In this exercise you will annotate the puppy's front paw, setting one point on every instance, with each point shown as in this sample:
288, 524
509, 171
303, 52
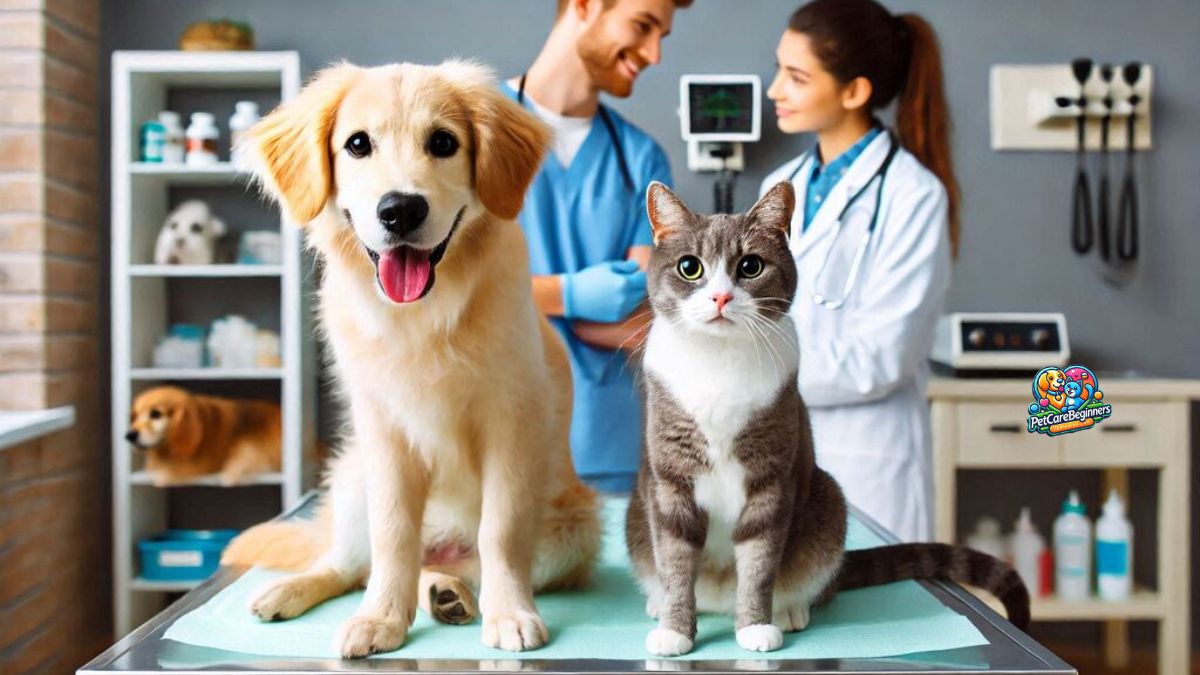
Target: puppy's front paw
281, 599
762, 637
666, 642
515, 631
362, 636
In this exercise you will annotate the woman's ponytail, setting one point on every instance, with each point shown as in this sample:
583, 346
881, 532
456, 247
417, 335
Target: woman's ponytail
922, 116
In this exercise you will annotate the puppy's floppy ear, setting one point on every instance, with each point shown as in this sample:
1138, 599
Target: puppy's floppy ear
666, 211
774, 209
217, 227
290, 146
510, 142
185, 430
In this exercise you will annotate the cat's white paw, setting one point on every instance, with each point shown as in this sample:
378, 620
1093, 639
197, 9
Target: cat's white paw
762, 637
666, 642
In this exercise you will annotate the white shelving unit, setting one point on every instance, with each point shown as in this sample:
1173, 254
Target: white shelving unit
148, 298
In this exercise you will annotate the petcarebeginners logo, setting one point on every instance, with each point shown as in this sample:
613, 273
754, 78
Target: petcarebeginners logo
1065, 400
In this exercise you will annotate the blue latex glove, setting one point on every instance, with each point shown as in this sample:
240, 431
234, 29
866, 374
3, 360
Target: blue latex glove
606, 292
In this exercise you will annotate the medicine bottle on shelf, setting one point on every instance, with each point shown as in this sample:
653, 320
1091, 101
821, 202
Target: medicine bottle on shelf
151, 141
1114, 550
173, 147
1073, 550
202, 138
244, 116
1026, 547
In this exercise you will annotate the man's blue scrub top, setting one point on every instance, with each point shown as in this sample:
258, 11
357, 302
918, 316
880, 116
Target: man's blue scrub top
575, 217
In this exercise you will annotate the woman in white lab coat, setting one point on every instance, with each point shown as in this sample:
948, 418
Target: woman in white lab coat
865, 335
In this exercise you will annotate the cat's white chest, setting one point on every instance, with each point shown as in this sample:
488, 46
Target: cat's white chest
721, 385
722, 494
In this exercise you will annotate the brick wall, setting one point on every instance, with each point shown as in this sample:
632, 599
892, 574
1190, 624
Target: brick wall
55, 562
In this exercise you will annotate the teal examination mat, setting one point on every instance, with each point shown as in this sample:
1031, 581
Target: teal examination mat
605, 621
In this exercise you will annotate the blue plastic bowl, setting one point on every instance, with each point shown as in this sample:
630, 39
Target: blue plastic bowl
183, 555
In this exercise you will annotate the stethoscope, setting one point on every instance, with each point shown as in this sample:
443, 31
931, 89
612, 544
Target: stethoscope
612, 135
859, 255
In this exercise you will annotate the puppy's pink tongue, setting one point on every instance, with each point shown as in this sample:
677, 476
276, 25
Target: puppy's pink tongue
403, 273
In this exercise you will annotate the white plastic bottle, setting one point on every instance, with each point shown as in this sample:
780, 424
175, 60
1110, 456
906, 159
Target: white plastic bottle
173, 145
986, 538
1026, 546
1114, 550
202, 138
1072, 550
244, 116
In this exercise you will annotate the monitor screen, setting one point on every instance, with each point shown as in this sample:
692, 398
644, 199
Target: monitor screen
721, 108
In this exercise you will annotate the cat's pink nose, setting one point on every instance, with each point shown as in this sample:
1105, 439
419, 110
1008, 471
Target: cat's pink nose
722, 299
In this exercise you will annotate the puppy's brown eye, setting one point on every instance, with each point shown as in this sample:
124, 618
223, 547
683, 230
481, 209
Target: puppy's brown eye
750, 267
442, 144
197, 228
155, 414
359, 144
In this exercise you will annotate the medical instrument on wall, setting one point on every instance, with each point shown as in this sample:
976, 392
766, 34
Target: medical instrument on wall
613, 136
999, 344
1104, 202
1127, 206
1081, 200
717, 114
860, 253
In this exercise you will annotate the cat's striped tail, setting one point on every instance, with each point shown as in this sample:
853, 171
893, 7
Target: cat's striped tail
944, 562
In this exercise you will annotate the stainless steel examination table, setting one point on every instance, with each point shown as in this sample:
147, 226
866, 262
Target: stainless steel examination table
145, 651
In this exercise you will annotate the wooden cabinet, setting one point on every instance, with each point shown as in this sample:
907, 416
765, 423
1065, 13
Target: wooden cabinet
981, 424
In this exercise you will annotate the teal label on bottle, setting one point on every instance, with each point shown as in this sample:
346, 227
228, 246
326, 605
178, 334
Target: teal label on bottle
1112, 558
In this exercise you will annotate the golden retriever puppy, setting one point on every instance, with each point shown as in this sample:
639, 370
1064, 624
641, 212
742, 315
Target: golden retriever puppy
457, 472
188, 435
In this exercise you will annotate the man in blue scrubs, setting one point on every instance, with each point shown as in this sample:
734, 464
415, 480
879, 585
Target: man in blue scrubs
585, 216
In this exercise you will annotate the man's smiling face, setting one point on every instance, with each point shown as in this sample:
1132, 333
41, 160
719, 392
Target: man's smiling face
620, 39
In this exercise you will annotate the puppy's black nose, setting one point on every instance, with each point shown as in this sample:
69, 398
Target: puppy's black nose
402, 213
131, 436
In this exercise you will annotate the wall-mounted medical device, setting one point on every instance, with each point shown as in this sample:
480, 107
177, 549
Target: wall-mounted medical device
1096, 110
717, 114
1036, 107
984, 344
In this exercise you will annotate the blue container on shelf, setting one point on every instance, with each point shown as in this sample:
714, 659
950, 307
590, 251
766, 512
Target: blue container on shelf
183, 555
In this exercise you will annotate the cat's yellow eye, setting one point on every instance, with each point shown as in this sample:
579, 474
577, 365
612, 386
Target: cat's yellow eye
750, 266
690, 267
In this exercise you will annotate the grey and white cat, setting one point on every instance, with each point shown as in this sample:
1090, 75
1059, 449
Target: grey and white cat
730, 513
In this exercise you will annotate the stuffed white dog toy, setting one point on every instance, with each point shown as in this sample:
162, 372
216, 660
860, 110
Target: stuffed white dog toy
189, 235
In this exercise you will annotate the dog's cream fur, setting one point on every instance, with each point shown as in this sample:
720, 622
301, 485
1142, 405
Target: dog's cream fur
460, 402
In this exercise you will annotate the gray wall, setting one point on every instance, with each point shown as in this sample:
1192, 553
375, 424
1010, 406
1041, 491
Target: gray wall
1015, 252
